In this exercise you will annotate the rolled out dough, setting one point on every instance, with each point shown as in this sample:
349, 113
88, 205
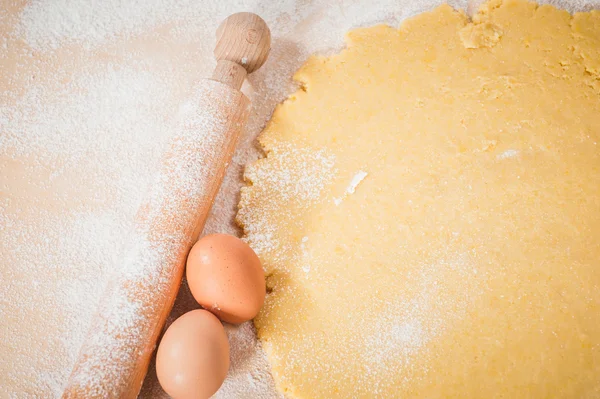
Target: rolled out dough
428, 212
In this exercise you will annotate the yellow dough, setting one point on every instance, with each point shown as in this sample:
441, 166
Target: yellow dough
428, 212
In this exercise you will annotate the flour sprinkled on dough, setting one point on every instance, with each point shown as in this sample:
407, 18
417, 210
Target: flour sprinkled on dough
358, 177
508, 154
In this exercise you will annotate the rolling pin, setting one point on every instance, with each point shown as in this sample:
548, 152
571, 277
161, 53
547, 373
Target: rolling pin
114, 357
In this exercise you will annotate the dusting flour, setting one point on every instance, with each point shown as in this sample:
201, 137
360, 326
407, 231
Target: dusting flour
90, 94
356, 180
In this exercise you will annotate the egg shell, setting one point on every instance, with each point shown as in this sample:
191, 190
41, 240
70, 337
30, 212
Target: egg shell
226, 277
193, 356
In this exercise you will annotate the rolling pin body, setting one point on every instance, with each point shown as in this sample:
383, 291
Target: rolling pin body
114, 359
141, 294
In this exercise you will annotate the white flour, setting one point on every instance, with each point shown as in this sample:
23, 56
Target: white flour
89, 90
356, 179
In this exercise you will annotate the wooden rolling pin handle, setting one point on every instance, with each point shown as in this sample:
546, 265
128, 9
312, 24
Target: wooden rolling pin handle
169, 226
243, 45
229, 73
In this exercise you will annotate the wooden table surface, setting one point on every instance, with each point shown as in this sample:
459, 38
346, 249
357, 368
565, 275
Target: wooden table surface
32, 182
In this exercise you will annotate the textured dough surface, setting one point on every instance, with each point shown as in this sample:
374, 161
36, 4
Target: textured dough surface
466, 263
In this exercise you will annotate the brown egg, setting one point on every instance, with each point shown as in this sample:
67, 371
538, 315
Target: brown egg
193, 356
226, 277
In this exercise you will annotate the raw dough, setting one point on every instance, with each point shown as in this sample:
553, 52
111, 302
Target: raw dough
465, 263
